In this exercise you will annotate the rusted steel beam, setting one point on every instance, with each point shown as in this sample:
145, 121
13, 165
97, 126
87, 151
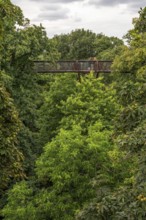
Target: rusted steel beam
81, 66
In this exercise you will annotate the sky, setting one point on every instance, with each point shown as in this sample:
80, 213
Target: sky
110, 17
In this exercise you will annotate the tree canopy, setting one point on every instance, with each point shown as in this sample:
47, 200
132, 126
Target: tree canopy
71, 149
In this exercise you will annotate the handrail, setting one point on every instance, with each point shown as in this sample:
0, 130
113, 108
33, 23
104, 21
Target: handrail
79, 66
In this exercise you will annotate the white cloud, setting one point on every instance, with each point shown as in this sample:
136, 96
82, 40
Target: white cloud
111, 17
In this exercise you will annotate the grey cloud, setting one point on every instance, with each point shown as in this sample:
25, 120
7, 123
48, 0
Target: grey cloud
52, 16
77, 19
136, 5
107, 2
52, 13
133, 5
51, 7
56, 1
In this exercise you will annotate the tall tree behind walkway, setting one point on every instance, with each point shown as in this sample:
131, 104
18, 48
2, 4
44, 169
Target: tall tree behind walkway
23, 44
10, 156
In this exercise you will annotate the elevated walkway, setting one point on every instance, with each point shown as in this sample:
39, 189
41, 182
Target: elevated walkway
81, 66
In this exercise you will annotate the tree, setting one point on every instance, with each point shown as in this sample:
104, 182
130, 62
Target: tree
107, 47
63, 45
11, 158
67, 169
22, 194
24, 44
90, 102
137, 36
84, 44
61, 87
69, 165
127, 201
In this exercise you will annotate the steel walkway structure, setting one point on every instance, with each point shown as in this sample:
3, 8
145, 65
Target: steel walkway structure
81, 66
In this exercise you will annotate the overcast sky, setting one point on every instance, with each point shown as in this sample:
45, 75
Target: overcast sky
110, 17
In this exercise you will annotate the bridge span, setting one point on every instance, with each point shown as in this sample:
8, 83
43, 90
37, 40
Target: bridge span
80, 66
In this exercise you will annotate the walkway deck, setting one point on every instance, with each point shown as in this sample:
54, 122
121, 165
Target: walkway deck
82, 66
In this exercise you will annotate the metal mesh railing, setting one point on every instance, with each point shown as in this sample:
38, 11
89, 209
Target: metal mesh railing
82, 66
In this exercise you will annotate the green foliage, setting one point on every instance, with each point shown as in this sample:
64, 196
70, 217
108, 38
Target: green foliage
23, 44
70, 102
19, 200
62, 45
119, 205
50, 52
93, 162
127, 201
140, 22
92, 101
84, 44
66, 172
70, 163
77, 157
137, 36
107, 47
9, 16
61, 87
79, 44
10, 157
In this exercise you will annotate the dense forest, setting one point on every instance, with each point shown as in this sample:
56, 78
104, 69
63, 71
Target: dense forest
70, 149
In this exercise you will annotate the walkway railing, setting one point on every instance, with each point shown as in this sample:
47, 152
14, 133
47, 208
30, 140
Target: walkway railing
82, 66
